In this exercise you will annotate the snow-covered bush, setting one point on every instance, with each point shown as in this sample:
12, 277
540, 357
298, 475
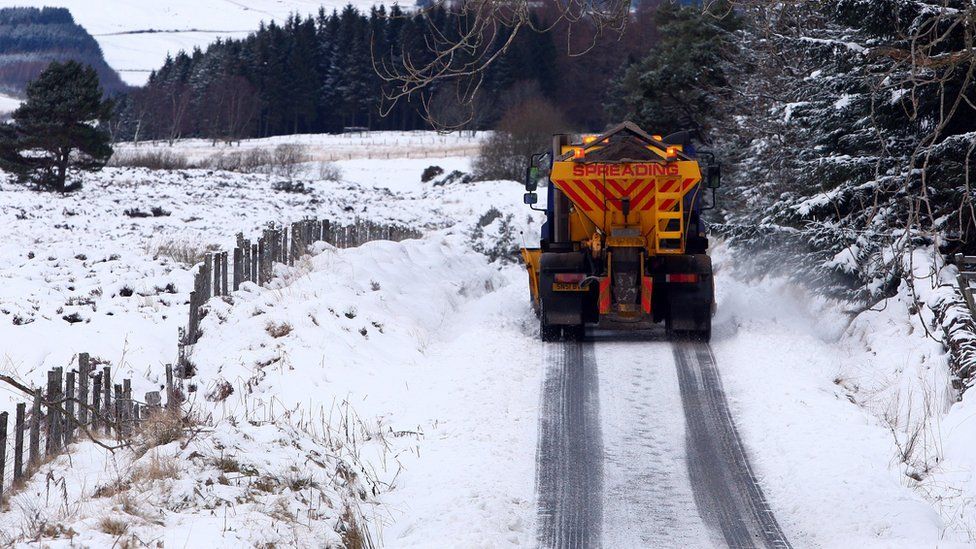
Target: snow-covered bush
496, 236
330, 171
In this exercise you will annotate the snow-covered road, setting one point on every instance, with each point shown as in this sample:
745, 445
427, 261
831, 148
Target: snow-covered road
637, 448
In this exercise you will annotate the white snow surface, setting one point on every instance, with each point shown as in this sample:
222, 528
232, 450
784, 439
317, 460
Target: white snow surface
415, 365
8, 105
136, 36
386, 145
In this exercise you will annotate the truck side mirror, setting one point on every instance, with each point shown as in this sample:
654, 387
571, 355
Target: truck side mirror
530, 198
714, 176
531, 178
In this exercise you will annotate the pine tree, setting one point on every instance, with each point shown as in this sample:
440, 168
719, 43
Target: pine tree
60, 128
678, 85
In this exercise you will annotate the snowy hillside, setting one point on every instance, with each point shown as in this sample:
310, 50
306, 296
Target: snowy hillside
136, 40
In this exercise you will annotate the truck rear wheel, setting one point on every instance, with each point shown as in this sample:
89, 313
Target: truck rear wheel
574, 333
547, 332
701, 332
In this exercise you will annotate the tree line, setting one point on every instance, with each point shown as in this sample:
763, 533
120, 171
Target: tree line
323, 73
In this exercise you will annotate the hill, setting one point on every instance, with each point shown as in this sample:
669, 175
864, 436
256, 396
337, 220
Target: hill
30, 38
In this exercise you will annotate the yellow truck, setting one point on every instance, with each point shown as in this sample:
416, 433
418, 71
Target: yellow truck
623, 245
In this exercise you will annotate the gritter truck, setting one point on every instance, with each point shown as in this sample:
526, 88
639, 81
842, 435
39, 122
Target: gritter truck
623, 245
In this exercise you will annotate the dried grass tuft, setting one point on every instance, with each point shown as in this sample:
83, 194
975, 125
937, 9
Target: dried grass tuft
158, 468
113, 526
276, 330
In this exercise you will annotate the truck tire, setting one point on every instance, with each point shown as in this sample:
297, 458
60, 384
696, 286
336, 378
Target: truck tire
547, 332
690, 307
574, 333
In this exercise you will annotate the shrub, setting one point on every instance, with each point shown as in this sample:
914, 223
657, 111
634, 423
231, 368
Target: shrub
430, 172
185, 253
524, 130
158, 159
162, 426
496, 236
289, 186
246, 161
286, 159
329, 171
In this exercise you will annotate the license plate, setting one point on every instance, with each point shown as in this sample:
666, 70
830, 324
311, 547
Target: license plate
567, 287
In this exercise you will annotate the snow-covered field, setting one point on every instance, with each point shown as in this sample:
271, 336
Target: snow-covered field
326, 147
136, 40
398, 383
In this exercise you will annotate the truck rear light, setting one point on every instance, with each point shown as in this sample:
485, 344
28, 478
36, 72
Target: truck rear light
579, 153
682, 278
672, 153
569, 278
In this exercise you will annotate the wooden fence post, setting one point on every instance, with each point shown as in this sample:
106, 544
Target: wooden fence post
54, 407
295, 239
254, 264
3, 448
118, 410
127, 407
96, 401
248, 252
69, 406
238, 273
171, 402
107, 397
154, 402
262, 251
50, 418
216, 274
193, 328
284, 259
267, 256
223, 274
19, 441
274, 240
35, 428
84, 366
207, 277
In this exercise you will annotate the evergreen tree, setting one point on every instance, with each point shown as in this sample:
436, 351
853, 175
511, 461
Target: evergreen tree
60, 128
679, 85
319, 75
851, 142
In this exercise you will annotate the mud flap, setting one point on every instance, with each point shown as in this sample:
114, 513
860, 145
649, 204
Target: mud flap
561, 308
690, 306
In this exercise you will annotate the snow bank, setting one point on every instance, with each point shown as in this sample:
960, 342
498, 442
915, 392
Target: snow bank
368, 378
844, 412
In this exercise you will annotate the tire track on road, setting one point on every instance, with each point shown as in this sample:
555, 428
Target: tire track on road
728, 495
569, 475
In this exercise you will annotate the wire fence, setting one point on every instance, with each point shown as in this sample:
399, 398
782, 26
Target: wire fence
82, 402
85, 402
